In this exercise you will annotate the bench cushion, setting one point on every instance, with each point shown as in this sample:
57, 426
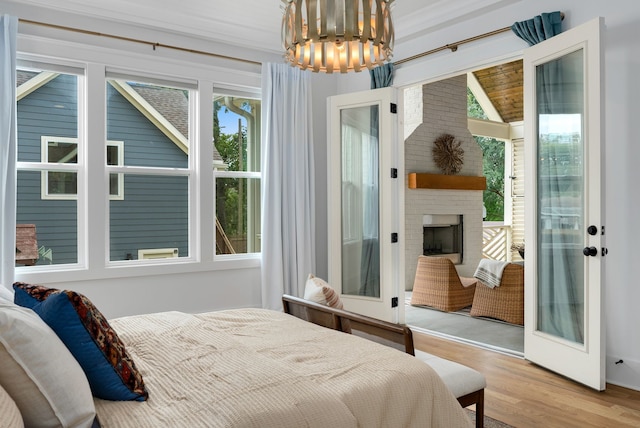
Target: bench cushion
460, 379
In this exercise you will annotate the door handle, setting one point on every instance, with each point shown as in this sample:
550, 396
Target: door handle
590, 251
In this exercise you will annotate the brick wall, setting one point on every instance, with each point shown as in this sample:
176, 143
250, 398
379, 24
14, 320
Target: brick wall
444, 110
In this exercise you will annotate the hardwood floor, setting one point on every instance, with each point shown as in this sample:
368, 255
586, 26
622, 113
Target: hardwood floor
525, 395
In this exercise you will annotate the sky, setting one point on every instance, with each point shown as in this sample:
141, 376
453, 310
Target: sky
560, 124
229, 122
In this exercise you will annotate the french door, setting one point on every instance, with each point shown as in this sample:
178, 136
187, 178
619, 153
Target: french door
564, 328
366, 204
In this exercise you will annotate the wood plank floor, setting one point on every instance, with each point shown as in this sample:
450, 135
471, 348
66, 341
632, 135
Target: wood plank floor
525, 395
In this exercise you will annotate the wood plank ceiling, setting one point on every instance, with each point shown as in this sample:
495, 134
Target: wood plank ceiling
503, 84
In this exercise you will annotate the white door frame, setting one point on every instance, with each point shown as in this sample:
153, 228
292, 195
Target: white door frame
584, 363
391, 205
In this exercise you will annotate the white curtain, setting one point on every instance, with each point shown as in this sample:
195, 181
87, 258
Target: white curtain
8, 34
288, 219
360, 209
560, 104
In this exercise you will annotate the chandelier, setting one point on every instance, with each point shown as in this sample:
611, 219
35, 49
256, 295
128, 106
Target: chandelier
337, 35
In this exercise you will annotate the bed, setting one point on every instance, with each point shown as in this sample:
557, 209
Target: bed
264, 368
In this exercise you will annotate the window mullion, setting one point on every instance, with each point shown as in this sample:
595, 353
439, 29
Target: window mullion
203, 184
95, 207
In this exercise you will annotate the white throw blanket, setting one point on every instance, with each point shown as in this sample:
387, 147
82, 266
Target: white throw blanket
489, 272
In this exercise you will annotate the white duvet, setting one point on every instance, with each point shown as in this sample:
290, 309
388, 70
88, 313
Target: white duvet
261, 368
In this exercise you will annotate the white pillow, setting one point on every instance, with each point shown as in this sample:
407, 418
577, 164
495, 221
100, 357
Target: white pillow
40, 374
6, 295
11, 417
317, 290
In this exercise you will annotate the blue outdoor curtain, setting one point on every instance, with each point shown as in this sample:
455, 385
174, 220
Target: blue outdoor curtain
382, 76
8, 35
539, 28
288, 189
560, 280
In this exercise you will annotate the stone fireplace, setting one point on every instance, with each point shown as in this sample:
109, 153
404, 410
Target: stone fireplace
430, 111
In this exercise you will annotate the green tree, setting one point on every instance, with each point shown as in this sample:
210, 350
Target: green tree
229, 209
492, 165
493, 170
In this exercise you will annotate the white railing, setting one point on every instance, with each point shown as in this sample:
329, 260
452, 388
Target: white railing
496, 241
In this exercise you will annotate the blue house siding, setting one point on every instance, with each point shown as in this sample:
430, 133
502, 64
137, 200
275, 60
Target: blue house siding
156, 217
154, 212
50, 110
145, 144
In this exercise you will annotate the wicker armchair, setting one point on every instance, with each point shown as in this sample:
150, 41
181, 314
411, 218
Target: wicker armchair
505, 302
438, 285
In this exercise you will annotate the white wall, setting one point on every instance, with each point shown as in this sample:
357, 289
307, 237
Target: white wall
621, 147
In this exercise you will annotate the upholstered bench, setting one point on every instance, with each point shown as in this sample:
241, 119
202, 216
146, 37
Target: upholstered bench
466, 383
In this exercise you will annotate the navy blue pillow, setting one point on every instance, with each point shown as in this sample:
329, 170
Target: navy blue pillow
84, 330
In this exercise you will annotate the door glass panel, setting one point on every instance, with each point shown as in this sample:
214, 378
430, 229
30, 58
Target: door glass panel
360, 205
560, 186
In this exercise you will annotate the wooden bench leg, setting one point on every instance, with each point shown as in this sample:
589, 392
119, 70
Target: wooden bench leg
476, 398
480, 410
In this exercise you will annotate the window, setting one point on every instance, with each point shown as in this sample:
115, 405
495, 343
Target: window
237, 175
127, 195
64, 185
48, 103
153, 117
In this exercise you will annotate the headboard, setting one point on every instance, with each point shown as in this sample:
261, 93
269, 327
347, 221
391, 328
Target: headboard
396, 335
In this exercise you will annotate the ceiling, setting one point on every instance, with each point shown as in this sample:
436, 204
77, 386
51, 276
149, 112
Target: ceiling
257, 23
504, 86
228, 22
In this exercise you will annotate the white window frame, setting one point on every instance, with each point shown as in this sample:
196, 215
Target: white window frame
94, 62
190, 145
219, 173
44, 175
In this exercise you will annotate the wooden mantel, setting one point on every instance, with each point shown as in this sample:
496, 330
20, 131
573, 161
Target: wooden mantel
419, 180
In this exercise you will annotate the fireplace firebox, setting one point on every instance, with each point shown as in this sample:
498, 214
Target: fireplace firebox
443, 236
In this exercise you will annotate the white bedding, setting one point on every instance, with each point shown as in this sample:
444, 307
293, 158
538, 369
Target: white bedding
262, 368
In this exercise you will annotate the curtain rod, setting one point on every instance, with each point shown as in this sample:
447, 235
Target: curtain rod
454, 46
145, 42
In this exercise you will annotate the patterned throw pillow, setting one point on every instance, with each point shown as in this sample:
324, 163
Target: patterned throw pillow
28, 295
110, 370
317, 290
